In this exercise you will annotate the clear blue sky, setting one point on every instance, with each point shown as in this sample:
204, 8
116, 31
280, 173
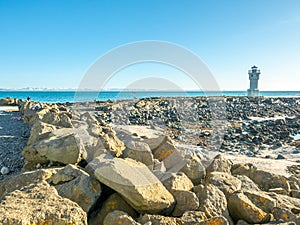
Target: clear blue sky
52, 43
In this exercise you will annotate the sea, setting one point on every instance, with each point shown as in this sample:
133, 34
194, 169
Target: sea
83, 96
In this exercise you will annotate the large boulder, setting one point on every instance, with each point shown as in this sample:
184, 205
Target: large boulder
40, 131
139, 151
114, 202
241, 208
185, 201
286, 202
62, 146
194, 169
162, 147
39, 204
227, 183
29, 111
261, 200
247, 183
134, 182
285, 215
105, 135
77, 185
53, 116
176, 181
33, 112
212, 201
219, 164
24, 179
263, 179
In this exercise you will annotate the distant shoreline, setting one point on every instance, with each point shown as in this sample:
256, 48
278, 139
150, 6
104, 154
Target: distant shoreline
84, 96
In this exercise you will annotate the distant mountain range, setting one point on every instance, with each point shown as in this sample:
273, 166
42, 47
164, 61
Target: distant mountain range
74, 89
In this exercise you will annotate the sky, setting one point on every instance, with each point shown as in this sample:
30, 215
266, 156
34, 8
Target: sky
53, 43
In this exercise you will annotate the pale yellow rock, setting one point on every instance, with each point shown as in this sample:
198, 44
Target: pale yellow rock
136, 183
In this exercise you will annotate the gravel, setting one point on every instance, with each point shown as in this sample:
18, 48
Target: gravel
13, 138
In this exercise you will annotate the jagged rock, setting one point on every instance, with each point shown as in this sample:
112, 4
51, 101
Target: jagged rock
119, 217
212, 201
219, 164
162, 147
285, 215
29, 114
176, 181
55, 117
241, 208
24, 179
227, 183
140, 152
39, 204
33, 112
40, 131
263, 179
77, 185
114, 202
261, 200
9, 102
105, 134
185, 201
158, 167
135, 183
194, 169
247, 183
286, 202
62, 146
175, 161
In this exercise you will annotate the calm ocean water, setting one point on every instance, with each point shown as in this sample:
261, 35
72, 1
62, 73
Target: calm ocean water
72, 96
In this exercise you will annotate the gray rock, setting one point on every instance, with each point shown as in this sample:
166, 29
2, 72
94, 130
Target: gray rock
227, 183
77, 185
185, 201
212, 201
176, 181
4, 170
194, 169
265, 180
140, 152
219, 164
62, 146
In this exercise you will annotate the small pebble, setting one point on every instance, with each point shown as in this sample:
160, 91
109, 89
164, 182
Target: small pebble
4, 170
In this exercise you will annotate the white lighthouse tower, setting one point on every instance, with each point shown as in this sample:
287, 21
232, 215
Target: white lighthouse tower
253, 77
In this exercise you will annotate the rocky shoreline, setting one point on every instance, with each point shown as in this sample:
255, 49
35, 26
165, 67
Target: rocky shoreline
155, 161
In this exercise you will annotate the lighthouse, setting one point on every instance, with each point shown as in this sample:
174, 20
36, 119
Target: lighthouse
253, 77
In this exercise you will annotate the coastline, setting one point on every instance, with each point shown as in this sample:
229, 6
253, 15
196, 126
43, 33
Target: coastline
104, 95
213, 144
